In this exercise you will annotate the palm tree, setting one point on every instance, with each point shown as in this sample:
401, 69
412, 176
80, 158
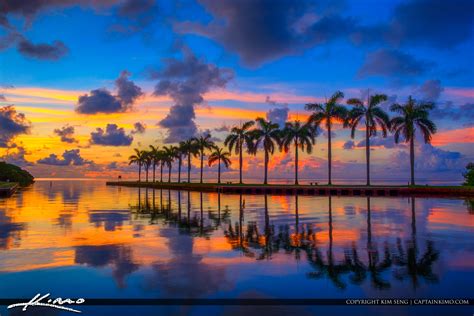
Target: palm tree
168, 157
161, 159
373, 116
147, 160
155, 157
190, 149
268, 134
219, 155
180, 152
328, 112
412, 115
302, 136
138, 159
237, 138
203, 143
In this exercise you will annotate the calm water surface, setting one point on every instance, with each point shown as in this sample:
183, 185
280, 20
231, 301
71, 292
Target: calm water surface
84, 239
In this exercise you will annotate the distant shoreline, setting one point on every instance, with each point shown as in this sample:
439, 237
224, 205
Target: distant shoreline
318, 190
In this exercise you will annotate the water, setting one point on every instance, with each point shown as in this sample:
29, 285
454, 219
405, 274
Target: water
84, 239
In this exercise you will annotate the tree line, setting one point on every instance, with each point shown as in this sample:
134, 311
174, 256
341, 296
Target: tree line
269, 137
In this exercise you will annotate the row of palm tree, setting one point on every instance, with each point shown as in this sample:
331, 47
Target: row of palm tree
253, 135
195, 147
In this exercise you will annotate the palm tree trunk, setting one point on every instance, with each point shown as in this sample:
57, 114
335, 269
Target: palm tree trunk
146, 173
154, 167
202, 163
266, 167
189, 166
412, 159
296, 162
329, 151
139, 172
219, 172
179, 169
240, 163
161, 173
367, 152
169, 174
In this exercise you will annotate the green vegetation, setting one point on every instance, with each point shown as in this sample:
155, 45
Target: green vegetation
328, 112
11, 173
261, 134
219, 155
372, 115
412, 115
6, 185
469, 174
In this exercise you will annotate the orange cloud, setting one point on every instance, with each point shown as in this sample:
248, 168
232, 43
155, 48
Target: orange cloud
463, 135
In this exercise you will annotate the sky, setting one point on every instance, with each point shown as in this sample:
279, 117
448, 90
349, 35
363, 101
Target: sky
82, 83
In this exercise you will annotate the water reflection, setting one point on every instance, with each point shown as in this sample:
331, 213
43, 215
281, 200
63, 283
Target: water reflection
117, 256
10, 232
405, 258
163, 243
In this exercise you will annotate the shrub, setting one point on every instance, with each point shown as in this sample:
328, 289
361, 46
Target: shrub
12, 173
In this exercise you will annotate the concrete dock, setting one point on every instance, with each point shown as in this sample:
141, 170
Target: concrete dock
317, 190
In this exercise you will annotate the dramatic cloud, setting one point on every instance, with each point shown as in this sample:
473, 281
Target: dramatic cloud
139, 128
44, 51
348, 145
433, 23
264, 30
430, 90
185, 81
102, 101
135, 15
69, 158
453, 112
11, 125
17, 157
66, 133
29, 9
99, 101
127, 91
386, 142
437, 23
429, 158
278, 114
112, 136
392, 63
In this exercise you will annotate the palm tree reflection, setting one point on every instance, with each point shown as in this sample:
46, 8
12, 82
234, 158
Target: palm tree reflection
411, 265
341, 264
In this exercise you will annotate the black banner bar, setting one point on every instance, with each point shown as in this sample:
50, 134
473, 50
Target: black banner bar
251, 301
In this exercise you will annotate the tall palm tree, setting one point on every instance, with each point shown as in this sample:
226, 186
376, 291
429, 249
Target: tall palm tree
137, 159
238, 137
203, 143
269, 135
155, 157
168, 157
180, 152
372, 115
302, 136
219, 155
412, 115
162, 156
328, 112
147, 160
190, 149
